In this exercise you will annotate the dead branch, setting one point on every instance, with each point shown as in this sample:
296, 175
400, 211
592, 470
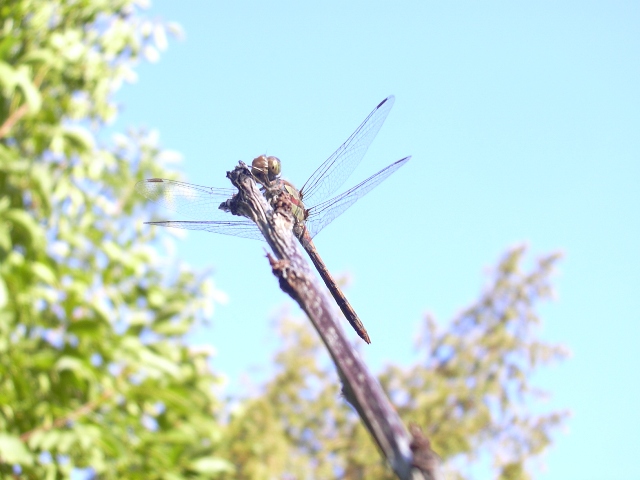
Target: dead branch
410, 456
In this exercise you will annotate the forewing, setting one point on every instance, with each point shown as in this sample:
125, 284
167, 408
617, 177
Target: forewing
337, 168
323, 214
197, 202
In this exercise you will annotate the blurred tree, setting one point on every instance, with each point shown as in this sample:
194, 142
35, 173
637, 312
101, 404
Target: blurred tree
95, 372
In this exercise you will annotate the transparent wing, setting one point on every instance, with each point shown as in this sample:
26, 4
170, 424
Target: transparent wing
324, 213
237, 228
336, 169
197, 202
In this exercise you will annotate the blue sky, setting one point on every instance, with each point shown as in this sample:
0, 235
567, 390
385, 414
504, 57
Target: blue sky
523, 122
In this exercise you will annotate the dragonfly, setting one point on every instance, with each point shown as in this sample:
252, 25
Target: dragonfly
312, 208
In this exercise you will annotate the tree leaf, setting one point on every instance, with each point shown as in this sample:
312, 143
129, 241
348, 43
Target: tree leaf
13, 451
212, 465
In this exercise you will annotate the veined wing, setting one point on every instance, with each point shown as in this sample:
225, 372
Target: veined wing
237, 228
336, 169
197, 202
324, 213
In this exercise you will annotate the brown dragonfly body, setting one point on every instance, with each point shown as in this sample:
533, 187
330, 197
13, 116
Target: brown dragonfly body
267, 172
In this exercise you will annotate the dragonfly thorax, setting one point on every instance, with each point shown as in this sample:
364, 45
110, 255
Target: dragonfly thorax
266, 169
298, 209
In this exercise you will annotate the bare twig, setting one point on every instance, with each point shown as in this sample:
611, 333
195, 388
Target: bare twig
410, 458
77, 413
12, 119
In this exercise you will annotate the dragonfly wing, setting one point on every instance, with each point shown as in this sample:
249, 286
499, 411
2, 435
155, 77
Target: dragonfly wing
324, 213
199, 203
193, 201
238, 228
336, 169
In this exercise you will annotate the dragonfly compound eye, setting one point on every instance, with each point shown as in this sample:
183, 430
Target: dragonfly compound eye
274, 167
260, 168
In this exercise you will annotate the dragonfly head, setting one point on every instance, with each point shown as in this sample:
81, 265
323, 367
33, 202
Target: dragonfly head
266, 169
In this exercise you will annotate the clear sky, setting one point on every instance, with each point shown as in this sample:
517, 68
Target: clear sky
523, 120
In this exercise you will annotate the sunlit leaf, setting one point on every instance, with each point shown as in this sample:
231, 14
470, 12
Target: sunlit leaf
74, 365
12, 450
44, 272
212, 465
31, 93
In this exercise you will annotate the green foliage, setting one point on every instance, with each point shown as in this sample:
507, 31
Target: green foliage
94, 370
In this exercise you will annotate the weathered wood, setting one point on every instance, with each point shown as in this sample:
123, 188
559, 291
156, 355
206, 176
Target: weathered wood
409, 456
